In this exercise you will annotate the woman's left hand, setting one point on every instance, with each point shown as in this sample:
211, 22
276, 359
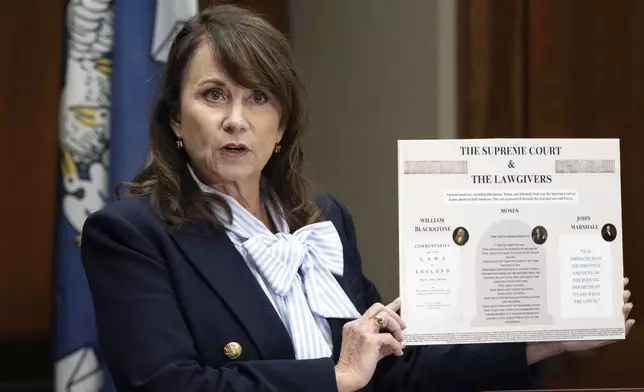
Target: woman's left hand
539, 351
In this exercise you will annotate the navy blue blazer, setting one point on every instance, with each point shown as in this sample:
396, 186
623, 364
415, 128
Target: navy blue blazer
168, 302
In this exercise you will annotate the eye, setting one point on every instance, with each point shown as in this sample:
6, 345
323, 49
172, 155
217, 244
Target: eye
214, 95
259, 97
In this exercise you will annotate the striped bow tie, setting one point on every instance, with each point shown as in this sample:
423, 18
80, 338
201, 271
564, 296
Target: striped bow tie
315, 251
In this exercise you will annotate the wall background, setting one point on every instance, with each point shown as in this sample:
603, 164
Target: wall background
377, 71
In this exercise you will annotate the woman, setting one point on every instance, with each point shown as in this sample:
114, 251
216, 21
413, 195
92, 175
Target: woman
220, 271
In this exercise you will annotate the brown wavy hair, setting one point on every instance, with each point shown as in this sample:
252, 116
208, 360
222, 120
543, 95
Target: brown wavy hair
252, 53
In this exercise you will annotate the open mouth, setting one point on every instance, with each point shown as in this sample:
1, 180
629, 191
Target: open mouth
234, 149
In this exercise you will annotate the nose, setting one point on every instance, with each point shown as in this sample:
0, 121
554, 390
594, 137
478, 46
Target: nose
235, 121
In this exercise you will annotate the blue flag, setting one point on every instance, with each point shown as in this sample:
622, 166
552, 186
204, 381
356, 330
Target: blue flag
115, 50
143, 33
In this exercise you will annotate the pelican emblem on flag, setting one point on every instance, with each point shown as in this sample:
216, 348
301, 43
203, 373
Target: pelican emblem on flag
85, 109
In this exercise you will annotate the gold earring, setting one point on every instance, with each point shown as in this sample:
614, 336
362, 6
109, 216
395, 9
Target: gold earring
277, 148
179, 143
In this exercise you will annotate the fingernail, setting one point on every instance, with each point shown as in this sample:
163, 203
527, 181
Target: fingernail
626, 280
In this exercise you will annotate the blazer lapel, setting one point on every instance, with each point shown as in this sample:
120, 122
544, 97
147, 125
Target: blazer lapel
348, 275
226, 272
336, 324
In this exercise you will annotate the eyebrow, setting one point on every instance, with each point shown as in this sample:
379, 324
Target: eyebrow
212, 80
221, 83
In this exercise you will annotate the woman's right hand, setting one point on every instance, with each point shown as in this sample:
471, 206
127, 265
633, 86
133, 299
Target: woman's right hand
365, 341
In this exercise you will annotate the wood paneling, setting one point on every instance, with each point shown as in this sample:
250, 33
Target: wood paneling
491, 71
582, 63
30, 58
587, 81
30, 46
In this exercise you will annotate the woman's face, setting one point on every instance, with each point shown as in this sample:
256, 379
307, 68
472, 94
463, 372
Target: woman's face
228, 131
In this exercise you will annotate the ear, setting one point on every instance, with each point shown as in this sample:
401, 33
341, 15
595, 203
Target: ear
175, 123
280, 134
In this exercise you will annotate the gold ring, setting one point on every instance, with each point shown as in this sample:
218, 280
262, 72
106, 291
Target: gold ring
379, 322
